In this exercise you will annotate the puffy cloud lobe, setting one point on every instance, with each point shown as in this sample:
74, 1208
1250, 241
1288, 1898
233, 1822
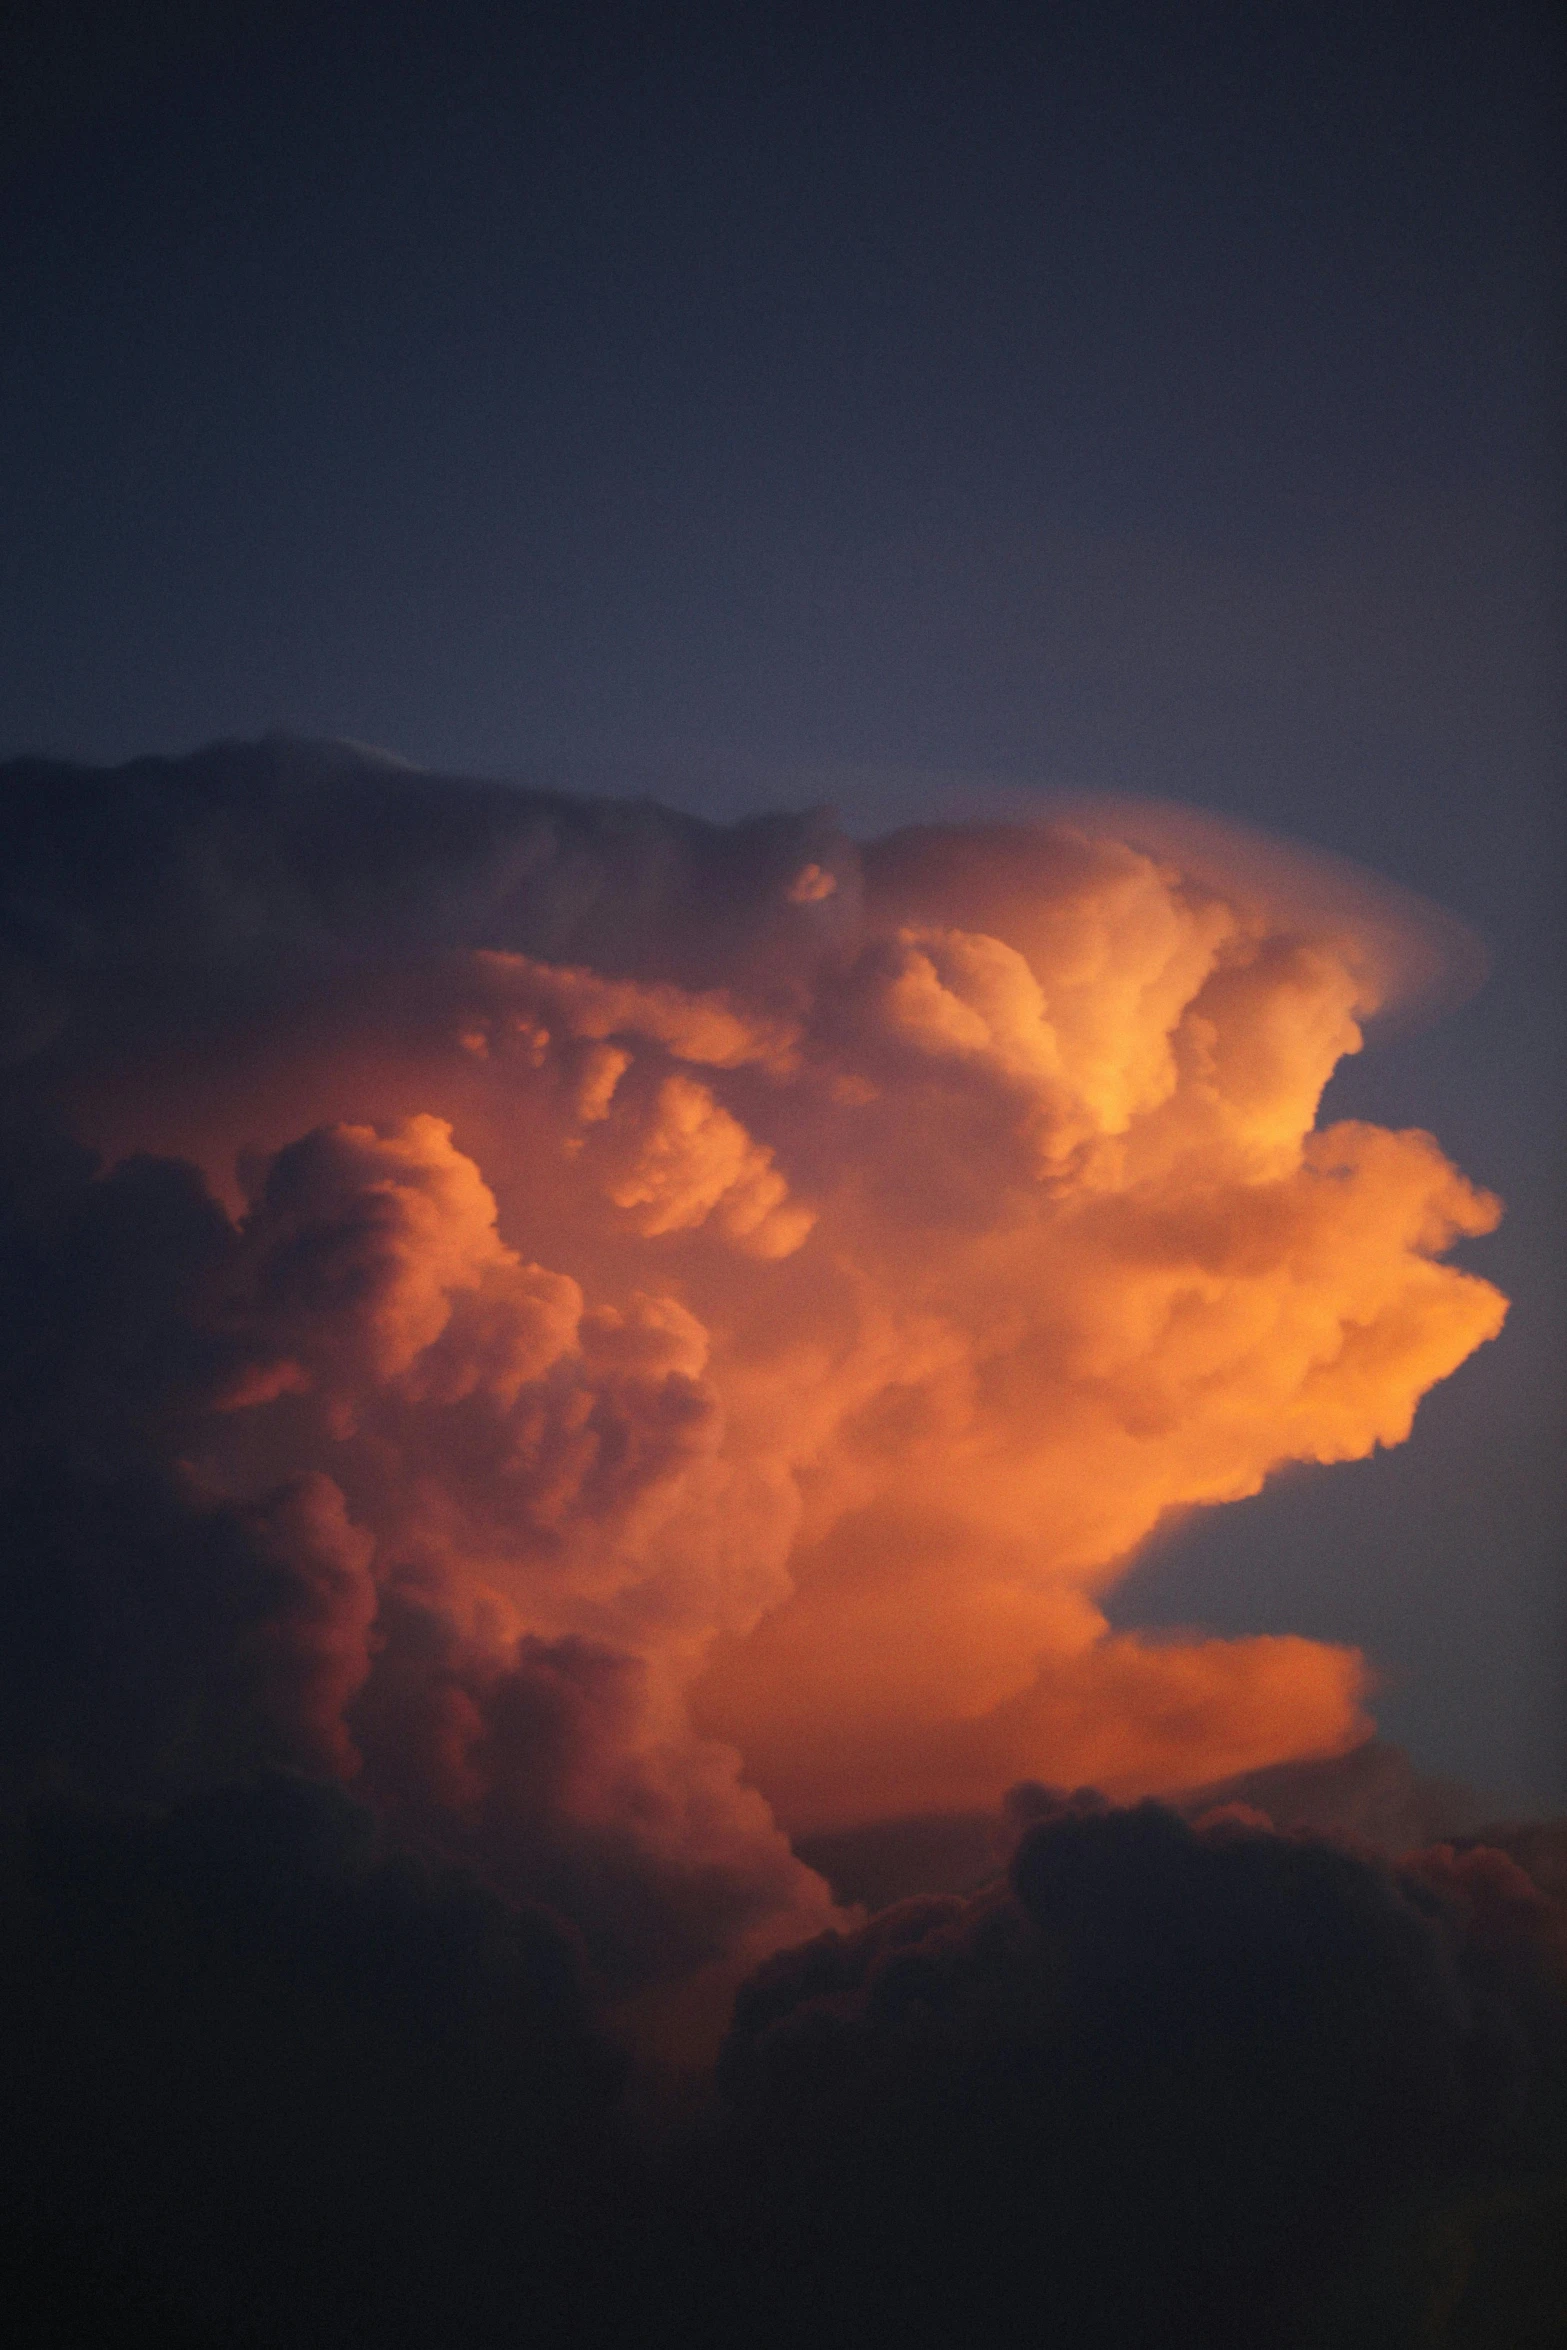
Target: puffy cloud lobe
726, 1298
671, 1154
707, 1027
694, 1161
511, 1455
360, 1241
546, 1769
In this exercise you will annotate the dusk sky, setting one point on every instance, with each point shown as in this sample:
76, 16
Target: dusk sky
719, 725
765, 409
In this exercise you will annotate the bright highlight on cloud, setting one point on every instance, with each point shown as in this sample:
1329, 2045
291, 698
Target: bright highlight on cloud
588, 1325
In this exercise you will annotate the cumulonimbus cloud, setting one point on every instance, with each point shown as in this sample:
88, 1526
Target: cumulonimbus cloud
590, 1325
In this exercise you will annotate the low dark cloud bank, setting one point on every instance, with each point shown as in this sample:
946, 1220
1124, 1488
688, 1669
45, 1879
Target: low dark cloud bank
569, 1380
270, 2080
268, 2083
1212, 2084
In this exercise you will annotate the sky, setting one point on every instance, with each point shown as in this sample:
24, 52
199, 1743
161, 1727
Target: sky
782, 1002
908, 414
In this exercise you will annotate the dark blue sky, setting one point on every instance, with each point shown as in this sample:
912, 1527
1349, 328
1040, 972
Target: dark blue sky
1156, 398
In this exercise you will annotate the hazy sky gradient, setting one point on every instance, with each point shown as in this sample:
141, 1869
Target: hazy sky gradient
1155, 400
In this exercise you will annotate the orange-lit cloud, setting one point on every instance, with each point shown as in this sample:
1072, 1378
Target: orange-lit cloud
737, 1348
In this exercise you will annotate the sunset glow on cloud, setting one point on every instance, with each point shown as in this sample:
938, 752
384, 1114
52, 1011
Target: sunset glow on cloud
672, 1322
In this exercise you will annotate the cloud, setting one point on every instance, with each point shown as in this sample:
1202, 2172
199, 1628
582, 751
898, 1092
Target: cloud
351, 1487
1371, 1800
607, 1332
268, 2082
1167, 2084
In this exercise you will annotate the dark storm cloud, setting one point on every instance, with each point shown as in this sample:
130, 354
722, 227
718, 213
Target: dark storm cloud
1166, 2086
267, 2084
156, 1635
